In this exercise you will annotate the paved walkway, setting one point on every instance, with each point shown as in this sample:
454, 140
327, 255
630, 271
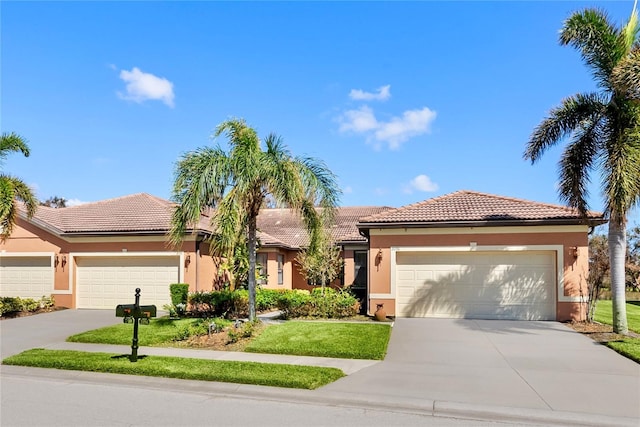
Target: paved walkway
533, 372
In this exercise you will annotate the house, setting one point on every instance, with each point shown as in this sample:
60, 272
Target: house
465, 254
475, 255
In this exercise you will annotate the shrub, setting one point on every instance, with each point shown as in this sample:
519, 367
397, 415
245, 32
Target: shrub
228, 304
179, 293
295, 303
319, 303
196, 328
267, 299
17, 304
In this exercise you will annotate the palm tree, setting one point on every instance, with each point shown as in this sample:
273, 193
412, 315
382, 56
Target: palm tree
604, 132
237, 184
13, 189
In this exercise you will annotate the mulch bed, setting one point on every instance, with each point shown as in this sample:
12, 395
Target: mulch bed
16, 314
599, 332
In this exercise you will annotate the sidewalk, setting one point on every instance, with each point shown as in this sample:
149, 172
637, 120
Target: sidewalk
348, 366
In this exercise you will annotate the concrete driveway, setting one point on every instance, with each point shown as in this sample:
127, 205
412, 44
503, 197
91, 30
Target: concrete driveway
42, 330
514, 364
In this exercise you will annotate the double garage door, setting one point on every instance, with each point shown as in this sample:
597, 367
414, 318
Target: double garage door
26, 276
104, 282
481, 285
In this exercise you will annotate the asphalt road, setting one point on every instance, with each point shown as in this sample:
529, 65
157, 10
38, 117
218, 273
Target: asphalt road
33, 401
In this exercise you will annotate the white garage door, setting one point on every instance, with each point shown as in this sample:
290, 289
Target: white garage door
480, 285
105, 282
26, 277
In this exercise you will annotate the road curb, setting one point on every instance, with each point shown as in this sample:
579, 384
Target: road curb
426, 407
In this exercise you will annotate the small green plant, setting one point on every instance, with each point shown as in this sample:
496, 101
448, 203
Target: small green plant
179, 297
17, 304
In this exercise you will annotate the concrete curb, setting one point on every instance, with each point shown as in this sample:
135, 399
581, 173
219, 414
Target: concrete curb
426, 407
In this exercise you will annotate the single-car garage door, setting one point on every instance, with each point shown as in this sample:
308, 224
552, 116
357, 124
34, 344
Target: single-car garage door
482, 285
26, 277
104, 282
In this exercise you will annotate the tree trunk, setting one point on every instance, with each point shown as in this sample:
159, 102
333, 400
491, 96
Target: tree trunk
617, 253
252, 266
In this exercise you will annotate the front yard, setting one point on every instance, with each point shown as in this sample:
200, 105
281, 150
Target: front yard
628, 346
351, 340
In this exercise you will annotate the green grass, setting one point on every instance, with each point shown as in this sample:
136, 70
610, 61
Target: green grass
628, 347
603, 314
269, 374
159, 331
324, 339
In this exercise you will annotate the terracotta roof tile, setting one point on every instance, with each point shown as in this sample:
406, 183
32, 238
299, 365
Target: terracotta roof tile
286, 226
469, 206
133, 213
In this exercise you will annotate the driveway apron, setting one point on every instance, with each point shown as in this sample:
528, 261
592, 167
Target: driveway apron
517, 364
17, 335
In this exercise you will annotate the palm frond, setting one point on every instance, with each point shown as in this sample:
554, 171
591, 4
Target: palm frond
563, 120
576, 164
12, 142
620, 174
626, 75
8, 208
600, 43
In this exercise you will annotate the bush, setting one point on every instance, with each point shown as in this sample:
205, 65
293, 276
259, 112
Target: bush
179, 293
228, 304
196, 328
17, 304
267, 299
319, 303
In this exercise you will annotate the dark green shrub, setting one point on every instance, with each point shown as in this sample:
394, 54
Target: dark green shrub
10, 305
319, 303
267, 299
179, 293
228, 304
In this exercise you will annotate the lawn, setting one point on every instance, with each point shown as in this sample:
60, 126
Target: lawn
325, 339
604, 315
269, 374
157, 332
302, 338
628, 347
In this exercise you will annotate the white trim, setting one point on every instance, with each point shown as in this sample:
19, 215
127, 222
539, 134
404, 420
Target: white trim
123, 239
559, 267
73, 255
50, 255
480, 230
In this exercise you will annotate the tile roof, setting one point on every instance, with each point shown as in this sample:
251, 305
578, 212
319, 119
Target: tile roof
134, 213
285, 226
144, 213
471, 206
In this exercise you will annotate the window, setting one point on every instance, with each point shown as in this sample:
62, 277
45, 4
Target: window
261, 268
280, 269
360, 267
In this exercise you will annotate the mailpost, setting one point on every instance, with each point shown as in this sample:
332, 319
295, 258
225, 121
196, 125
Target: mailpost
135, 313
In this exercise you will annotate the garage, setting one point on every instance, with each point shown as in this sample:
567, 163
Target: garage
26, 276
515, 285
104, 282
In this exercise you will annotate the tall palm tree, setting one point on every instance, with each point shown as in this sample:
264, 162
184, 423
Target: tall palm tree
237, 183
13, 189
604, 132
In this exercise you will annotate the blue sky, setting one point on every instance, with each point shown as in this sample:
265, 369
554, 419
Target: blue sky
403, 101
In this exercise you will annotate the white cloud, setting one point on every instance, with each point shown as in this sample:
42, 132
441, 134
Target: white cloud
423, 183
383, 93
358, 121
75, 202
394, 131
143, 86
